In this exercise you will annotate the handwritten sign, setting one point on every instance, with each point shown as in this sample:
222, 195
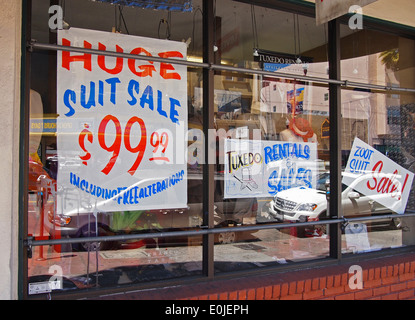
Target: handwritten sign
128, 118
383, 180
255, 168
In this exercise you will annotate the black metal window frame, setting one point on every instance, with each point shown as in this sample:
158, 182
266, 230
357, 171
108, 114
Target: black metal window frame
336, 220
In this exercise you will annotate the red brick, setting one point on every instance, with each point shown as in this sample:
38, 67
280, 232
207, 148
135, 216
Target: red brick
300, 286
329, 281
251, 294
323, 283
395, 269
315, 283
241, 294
363, 294
284, 289
398, 287
297, 296
381, 291
410, 284
213, 297
333, 291
307, 285
406, 277
276, 292
223, 296
344, 279
372, 283
310, 295
390, 280
260, 293
233, 295
292, 287
268, 293
337, 280
406, 294
346, 296
391, 296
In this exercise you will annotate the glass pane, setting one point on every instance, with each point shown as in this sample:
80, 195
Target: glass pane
377, 58
271, 166
256, 37
108, 143
378, 169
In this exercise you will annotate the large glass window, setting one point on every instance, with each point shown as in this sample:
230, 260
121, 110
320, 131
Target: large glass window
272, 137
117, 142
108, 143
377, 154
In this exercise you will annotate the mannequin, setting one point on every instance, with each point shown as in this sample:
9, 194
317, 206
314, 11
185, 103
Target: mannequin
298, 130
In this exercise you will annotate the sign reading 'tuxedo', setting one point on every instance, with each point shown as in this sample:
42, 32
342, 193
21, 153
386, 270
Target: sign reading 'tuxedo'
381, 178
120, 122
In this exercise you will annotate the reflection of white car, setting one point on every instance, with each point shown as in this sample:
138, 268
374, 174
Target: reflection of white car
304, 204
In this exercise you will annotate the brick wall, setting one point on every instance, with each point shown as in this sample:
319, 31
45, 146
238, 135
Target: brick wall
391, 278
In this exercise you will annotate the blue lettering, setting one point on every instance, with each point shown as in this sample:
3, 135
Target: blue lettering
133, 85
113, 82
173, 111
160, 104
147, 98
91, 100
69, 94
268, 157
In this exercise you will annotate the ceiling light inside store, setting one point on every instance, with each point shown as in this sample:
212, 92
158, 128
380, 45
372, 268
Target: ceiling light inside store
171, 5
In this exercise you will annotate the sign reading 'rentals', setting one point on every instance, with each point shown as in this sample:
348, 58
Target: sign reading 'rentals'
121, 124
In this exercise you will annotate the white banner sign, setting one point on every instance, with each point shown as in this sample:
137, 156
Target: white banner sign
382, 179
263, 168
121, 124
327, 10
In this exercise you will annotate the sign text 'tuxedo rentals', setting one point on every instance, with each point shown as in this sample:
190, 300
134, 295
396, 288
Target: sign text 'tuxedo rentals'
117, 124
380, 178
259, 168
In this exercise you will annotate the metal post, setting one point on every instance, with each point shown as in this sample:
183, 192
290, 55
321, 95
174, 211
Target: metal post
208, 123
335, 210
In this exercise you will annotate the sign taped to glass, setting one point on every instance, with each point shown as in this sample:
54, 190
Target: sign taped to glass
256, 168
125, 148
383, 180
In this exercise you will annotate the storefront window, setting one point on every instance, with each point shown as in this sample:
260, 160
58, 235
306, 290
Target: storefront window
117, 142
108, 143
377, 154
272, 136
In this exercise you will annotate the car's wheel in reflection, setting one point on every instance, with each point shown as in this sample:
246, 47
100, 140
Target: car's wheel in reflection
90, 231
226, 237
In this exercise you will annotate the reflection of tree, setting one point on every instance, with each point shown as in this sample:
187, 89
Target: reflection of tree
390, 58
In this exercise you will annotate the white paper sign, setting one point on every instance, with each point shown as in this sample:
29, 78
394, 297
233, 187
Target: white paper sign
255, 168
121, 124
384, 180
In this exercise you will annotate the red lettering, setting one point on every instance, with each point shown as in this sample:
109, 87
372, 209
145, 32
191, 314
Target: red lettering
147, 69
67, 58
385, 184
164, 67
101, 60
379, 163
